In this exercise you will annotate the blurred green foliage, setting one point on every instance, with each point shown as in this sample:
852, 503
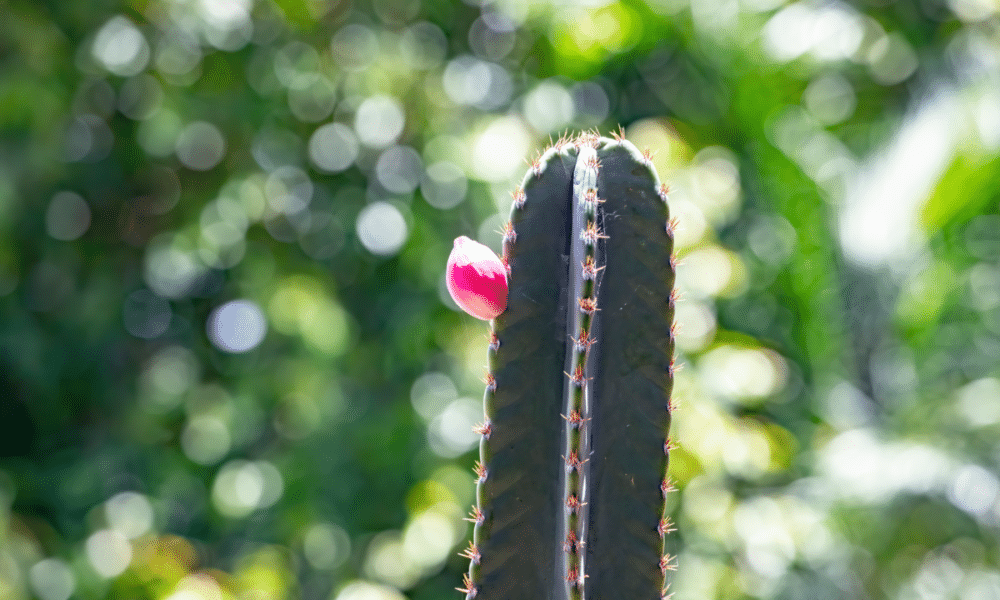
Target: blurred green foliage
229, 368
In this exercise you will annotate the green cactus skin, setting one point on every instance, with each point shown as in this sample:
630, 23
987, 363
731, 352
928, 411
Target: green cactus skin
573, 456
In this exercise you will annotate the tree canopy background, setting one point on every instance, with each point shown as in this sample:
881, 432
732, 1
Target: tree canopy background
229, 367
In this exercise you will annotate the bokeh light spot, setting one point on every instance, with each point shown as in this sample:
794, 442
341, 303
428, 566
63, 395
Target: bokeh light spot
379, 121
68, 216
548, 107
492, 35
52, 579
364, 590
121, 48
444, 185
399, 169
140, 97
354, 47
498, 152
974, 490
197, 587
976, 402
237, 326
242, 487
892, 59
206, 440
428, 539
326, 546
431, 393
172, 371
109, 552
294, 60
450, 433
311, 97
200, 146
382, 228
423, 46
300, 306
289, 190
590, 103
743, 373
333, 147
129, 513
146, 315
386, 560
830, 98
485, 85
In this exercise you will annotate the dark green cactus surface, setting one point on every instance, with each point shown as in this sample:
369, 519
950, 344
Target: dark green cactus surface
574, 451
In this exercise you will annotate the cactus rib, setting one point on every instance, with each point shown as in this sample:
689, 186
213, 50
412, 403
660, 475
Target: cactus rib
632, 384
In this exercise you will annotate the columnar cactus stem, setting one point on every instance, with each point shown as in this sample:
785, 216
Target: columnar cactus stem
571, 477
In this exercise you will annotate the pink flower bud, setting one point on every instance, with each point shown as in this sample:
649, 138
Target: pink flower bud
477, 280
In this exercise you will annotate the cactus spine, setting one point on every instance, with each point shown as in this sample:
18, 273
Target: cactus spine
573, 458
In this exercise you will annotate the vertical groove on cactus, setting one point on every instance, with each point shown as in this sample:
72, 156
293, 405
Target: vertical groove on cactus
583, 258
571, 478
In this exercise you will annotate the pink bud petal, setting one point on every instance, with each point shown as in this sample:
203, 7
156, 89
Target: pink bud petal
477, 279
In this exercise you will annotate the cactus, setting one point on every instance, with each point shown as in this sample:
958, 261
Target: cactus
571, 480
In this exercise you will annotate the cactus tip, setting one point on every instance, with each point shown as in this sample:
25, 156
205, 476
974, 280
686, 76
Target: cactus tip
563, 141
587, 138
